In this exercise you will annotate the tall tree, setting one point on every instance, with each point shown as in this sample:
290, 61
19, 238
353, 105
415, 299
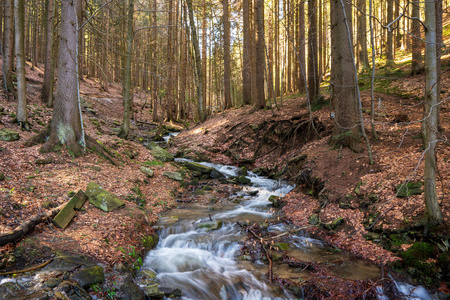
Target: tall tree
154, 63
170, 62
301, 48
226, 57
344, 103
198, 63
313, 69
8, 59
19, 22
417, 46
127, 88
433, 212
47, 88
246, 68
363, 58
260, 101
390, 33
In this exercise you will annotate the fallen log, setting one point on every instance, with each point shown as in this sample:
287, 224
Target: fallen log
20, 231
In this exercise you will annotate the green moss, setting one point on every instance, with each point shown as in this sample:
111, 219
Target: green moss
150, 242
415, 259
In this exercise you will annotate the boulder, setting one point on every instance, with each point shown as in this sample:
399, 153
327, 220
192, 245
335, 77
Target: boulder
244, 180
131, 291
198, 167
161, 154
101, 198
275, 200
147, 171
409, 189
8, 135
216, 174
89, 276
173, 175
213, 225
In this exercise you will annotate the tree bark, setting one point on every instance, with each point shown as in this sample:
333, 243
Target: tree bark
226, 57
301, 49
343, 90
127, 91
260, 62
433, 212
19, 17
65, 128
417, 45
246, 69
390, 33
47, 93
154, 68
363, 58
313, 76
8, 60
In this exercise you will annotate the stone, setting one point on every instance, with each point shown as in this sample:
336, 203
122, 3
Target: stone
244, 180
89, 276
44, 161
131, 291
173, 175
275, 200
210, 226
148, 274
216, 174
161, 154
409, 189
170, 292
52, 282
101, 198
198, 168
147, 171
243, 171
8, 135
152, 291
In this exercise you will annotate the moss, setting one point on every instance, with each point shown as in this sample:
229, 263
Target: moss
150, 242
414, 259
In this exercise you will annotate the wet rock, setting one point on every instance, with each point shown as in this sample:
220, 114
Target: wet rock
89, 276
52, 282
216, 174
101, 198
67, 263
148, 274
243, 171
8, 135
253, 193
161, 154
275, 200
198, 168
173, 175
170, 293
131, 291
214, 225
409, 189
244, 180
70, 290
147, 171
153, 291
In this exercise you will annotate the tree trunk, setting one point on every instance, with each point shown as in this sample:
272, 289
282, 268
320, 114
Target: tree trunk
390, 33
226, 57
301, 49
155, 117
170, 63
260, 62
246, 70
19, 17
433, 212
313, 76
198, 63
417, 45
343, 90
127, 91
66, 127
8, 60
46, 92
363, 58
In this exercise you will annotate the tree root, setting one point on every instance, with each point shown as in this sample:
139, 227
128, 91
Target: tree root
27, 270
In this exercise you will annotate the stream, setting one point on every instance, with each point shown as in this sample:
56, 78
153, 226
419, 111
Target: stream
205, 263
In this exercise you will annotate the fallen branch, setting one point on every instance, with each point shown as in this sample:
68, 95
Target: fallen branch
27, 270
20, 231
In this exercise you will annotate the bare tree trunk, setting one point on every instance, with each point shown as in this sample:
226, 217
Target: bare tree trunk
8, 60
46, 92
313, 76
19, 17
390, 33
417, 45
260, 62
170, 63
154, 68
302, 43
433, 212
204, 61
226, 57
127, 90
363, 58
246, 70
198, 63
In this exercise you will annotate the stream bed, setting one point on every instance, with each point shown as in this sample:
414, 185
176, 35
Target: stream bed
199, 250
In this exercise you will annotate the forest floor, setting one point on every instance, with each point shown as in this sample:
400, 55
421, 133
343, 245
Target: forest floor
280, 143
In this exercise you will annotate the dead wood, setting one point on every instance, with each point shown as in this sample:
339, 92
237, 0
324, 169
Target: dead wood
27, 270
20, 231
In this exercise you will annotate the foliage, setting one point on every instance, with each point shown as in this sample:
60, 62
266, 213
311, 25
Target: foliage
132, 257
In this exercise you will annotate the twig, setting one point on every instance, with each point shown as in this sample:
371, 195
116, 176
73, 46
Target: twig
27, 270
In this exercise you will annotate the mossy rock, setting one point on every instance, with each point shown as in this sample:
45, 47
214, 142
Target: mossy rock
8, 135
409, 189
196, 167
150, 242
147, 171
132, 291
161, 154
101, 198
243, 171
44, 161
173, 175
89, 276
210, 226
415, 259
275, 200
244, 180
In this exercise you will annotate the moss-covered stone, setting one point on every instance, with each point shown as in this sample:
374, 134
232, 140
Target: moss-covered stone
173, 175
244, 180
162, 155
150, 242
415, 259
409, 189
275, 200
101, 198
147, 171
8, 135
214, 225
243, 171
89, 276
198, 168
131, 291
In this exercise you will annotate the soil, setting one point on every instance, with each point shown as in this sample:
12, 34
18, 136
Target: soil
279, 142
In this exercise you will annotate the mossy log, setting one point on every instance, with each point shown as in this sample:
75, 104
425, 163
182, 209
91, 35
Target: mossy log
64, 217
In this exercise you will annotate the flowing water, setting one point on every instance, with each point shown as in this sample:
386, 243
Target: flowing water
204, 264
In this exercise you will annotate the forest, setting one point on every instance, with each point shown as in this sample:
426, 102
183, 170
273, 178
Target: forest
247, 149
